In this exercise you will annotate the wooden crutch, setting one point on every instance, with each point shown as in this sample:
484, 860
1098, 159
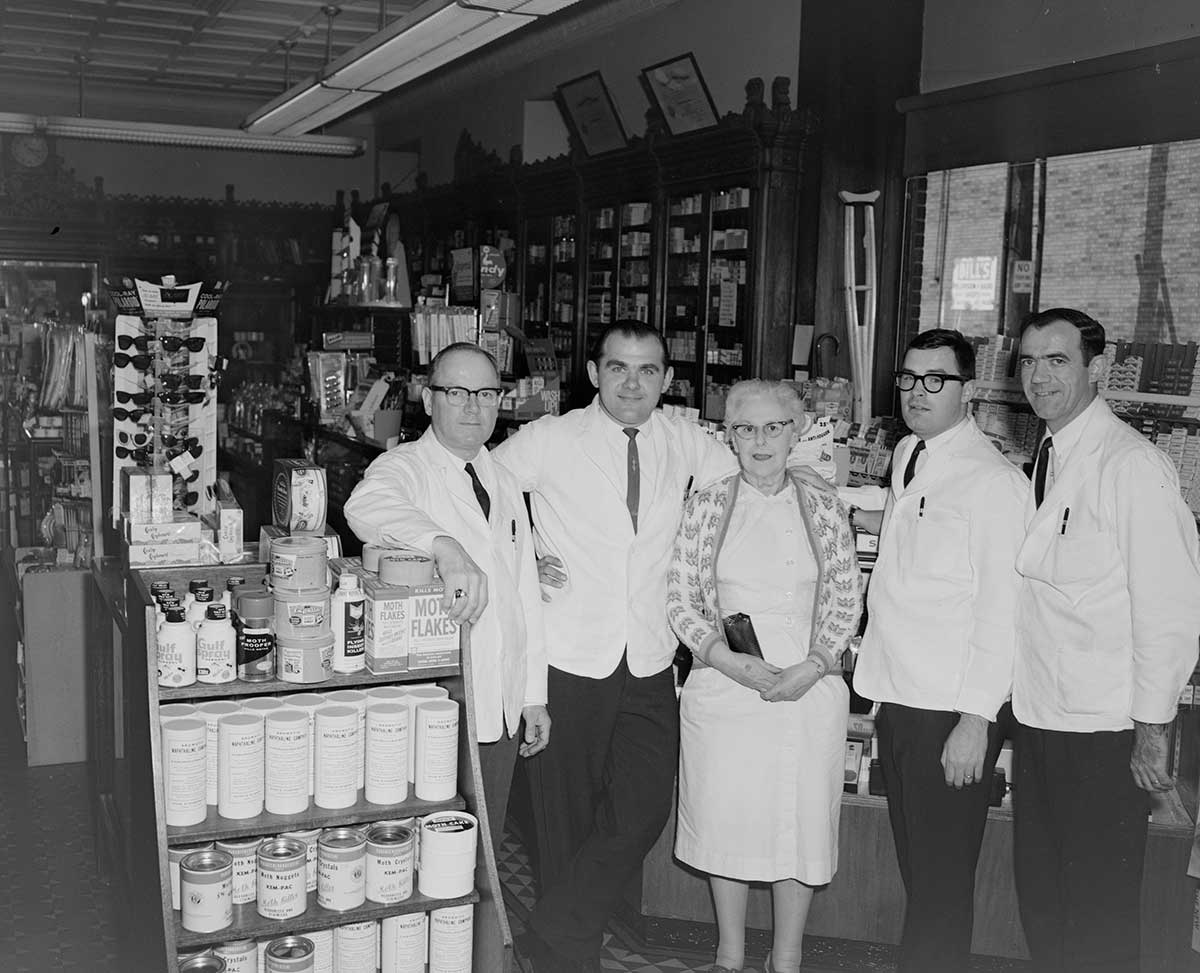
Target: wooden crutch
860, 333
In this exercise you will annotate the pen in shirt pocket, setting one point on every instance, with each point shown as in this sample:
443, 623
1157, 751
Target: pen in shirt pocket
921, 508
513, 523
687, 490
1062, 531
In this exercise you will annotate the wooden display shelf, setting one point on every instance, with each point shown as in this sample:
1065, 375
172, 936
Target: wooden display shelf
248, 924
275, 686
216, 827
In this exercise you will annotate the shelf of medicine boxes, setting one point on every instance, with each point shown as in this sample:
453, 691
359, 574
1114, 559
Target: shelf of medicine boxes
492, 938
1011, 387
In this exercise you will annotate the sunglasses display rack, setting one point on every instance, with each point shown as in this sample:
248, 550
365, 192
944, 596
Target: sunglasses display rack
165, 405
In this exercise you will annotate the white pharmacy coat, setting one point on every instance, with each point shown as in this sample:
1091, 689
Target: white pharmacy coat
418, 490
1109, 611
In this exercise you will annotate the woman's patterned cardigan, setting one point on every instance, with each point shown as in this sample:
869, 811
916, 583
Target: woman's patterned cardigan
692, 608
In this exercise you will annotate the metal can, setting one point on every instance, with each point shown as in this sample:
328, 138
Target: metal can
341, 869
310, 837
240, 956
282, 888
206, 891
204, 963
390, 855
291, 954
245, 867
255, 635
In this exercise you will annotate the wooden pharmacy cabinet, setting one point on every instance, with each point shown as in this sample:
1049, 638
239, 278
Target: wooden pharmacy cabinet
131, 804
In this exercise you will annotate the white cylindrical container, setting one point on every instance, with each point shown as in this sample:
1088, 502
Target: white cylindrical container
310, 839
347, 618
355, 945
357, 699
175, 646
305, 661
449, 842
404, 941
205, 962
386, 694
290, 954
450, 937
261, 704
298, 562
175, 855
184, 758
341, 869
436, 777
216, 647
390, 859
385, 780
195, 610
414, 697
302, 613
212, 711
240, 956
322, 940
308, 702
206, 891
244, 852
282, 891
240, 768
286, 774
232, 583
405, 568
175, 711
335, 750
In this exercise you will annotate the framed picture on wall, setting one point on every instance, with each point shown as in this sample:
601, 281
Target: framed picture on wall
679, 91
590, 113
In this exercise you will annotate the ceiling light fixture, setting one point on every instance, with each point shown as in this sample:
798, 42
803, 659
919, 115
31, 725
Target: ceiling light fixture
428, 37
190, 136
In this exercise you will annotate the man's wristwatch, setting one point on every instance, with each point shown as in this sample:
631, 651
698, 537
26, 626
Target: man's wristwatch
850, 515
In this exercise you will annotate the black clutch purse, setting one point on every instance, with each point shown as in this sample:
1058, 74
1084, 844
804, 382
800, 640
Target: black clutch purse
739, 634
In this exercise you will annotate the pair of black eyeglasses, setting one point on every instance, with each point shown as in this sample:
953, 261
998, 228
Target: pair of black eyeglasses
195, 451
141, 455
133, 415
933, 382
185, 441
135, 398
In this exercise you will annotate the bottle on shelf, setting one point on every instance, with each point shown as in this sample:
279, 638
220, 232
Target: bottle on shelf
216, 646
196, 605
176, 650
348, 619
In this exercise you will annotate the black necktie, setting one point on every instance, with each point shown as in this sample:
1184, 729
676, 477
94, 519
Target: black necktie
633, 488
485, 502
911, 469
1039, 471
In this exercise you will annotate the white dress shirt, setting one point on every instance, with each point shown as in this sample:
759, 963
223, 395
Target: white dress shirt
614, 600
941, 601
1109, 607
419, 490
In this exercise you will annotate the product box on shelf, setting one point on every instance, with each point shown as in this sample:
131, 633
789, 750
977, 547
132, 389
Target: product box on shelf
167, 554
299, 496
181, 527
352, 565
228, 524
145, 496
268, 534
407, 628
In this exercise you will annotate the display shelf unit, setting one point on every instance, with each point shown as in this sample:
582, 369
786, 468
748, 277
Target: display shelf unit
136, 836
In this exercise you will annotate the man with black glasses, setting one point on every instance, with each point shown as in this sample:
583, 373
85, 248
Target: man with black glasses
938, 649
443, 494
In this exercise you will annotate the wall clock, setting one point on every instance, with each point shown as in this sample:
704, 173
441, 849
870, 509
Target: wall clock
29, 151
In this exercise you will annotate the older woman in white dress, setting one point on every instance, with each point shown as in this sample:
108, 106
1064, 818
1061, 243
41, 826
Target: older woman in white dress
762, 741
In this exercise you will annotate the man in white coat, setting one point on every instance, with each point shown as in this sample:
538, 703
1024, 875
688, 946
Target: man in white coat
443, 494
1108, 618
938, 649
607, 486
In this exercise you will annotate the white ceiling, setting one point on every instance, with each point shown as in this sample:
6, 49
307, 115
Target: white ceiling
222, 47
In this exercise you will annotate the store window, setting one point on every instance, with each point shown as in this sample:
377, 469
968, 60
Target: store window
1116, 233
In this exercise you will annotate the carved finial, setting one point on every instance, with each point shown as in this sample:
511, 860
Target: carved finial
781, 95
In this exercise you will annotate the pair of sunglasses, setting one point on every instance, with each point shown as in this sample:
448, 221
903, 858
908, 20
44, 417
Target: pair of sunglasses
172, 381
139, 341
190, 478
133, 415
136, 438
139, 455
140, 362
135, 398
170, 343
185, 441
195, 451
182, 398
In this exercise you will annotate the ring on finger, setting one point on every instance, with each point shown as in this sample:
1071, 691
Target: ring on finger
458, 593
